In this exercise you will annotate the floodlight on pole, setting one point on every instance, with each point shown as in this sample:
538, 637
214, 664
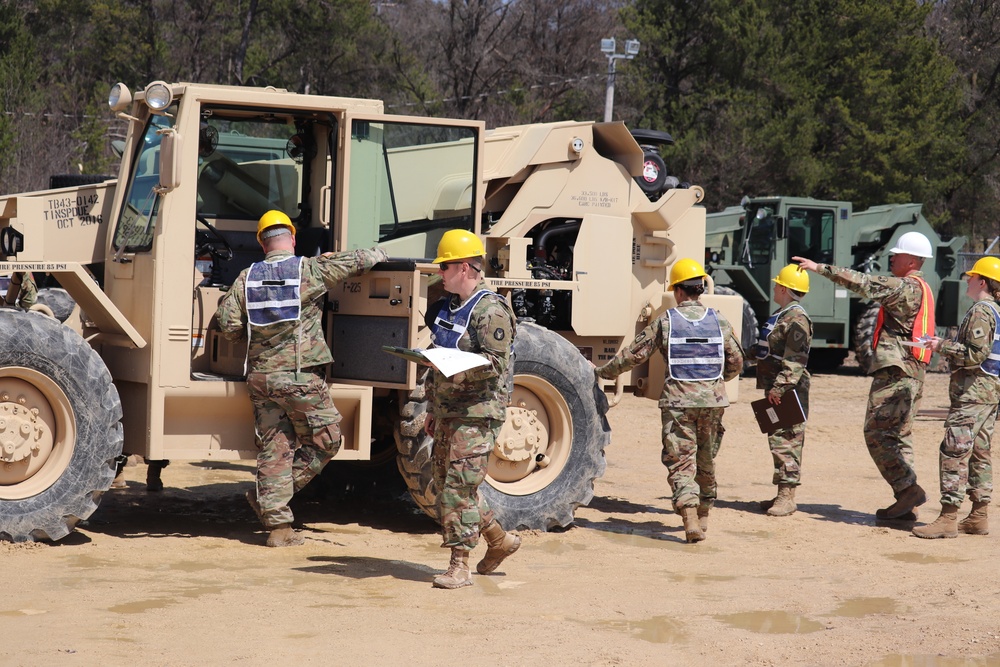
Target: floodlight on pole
608, 48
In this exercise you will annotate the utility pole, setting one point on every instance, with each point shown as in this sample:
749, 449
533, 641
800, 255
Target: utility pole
608, 49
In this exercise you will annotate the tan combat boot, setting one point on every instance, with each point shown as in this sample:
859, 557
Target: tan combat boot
501, 544
906, 501
976, 523
703, 510
784, 503
692, 527
457, 575
283, 535
945, 525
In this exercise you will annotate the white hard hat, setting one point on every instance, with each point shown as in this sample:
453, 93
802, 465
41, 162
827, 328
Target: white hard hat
913, 243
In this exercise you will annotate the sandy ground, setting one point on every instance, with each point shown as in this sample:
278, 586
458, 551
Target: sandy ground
180, 578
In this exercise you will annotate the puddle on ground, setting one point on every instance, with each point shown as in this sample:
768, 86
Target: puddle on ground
556, 547
22, 612
89, 562
771, 622
914, 557
658, 630
681, 578
936, 661
755, 534
858, 607
140, 606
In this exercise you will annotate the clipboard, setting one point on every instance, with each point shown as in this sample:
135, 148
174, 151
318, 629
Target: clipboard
446, 360
771, 418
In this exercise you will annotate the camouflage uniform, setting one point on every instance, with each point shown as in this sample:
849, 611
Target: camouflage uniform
897, 377
690, 411
26, 295
297, 424
469, 409
784, 368
974, 394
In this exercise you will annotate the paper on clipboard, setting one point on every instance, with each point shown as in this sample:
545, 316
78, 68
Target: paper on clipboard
448, 361
922, 342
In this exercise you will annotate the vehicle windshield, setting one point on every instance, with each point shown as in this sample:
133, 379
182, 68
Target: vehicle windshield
137, 221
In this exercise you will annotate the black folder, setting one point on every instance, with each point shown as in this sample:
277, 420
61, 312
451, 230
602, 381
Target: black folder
772, 417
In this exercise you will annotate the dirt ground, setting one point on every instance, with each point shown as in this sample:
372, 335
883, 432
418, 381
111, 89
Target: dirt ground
181, 578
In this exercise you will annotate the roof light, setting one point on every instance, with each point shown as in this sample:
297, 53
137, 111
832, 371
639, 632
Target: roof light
158, 96
120, 97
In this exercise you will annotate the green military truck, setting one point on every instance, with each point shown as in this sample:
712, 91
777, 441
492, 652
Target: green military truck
747, 245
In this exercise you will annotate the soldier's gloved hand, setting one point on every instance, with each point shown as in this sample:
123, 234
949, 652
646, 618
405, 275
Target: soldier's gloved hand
774, 397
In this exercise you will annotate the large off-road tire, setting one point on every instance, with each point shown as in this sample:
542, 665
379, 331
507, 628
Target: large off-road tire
58, 300
551, 448
864, 330
61, 428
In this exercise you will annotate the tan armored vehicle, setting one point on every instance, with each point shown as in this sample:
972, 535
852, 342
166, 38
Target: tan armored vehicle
572, 239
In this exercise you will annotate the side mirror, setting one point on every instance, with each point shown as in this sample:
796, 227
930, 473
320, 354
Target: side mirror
170, 153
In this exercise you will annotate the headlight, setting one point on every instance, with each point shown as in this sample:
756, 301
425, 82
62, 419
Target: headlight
158, 96
119, 98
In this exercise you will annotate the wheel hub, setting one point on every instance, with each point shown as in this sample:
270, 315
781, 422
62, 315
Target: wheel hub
26, 432
522, 441
20, 430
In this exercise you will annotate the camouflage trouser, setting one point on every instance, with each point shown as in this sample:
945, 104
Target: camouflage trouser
786, 443
691, 439
298, 432
965, 453
892, 404
461, 453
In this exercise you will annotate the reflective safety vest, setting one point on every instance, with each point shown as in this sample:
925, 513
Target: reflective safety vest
695, 351
449, 325
273, 291
992, 364
762, 350
923, 325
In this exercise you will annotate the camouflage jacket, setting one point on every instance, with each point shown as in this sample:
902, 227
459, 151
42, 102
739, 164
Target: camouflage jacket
969, 383
900, 300
678, 393
479, 393
274, 347
790, 340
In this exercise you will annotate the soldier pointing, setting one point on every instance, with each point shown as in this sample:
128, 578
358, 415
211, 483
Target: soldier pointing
906, 315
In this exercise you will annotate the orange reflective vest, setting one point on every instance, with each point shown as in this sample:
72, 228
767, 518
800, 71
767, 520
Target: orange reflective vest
923, 324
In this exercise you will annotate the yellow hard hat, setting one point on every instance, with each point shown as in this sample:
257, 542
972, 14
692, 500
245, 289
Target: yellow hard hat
685, 269
793, 277
459, 244
274, 218
987, 267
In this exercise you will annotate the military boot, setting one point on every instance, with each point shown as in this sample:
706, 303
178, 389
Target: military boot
976, 523
784, 503
283, 535
692, 527
457, 575
909, 498
703, 510
501, 544
945, 525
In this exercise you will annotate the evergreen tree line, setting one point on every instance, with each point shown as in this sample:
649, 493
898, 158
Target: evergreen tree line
869, 102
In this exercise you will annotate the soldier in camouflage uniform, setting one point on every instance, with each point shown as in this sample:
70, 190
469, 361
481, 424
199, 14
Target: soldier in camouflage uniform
906, 315
974, 390
782, 353
22, 291
468, 409
279, 304
701, 354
